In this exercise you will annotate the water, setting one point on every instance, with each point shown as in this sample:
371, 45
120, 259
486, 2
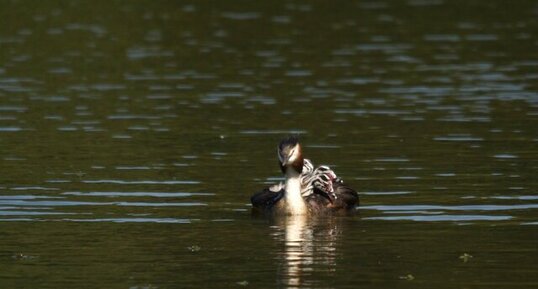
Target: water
133, 134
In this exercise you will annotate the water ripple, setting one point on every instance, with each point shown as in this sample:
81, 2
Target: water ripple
452, 208
282, 132
10, 129
28, 197
30, 213
458, 138
36, 188
137, 194
505, 156
148, 204
526, 198
81, 203
438, 218
386, 193
134, 220
147, 182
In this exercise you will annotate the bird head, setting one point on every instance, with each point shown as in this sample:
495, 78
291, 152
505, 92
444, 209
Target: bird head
290, 155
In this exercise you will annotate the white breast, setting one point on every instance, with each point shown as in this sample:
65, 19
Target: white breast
294, 200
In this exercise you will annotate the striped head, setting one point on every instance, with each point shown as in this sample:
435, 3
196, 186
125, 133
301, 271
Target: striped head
308, 167
325, 170
324, 182
290, 155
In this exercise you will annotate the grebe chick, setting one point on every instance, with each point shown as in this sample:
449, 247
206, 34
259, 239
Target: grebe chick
305, 190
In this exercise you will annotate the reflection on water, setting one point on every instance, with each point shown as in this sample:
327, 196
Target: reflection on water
309, 248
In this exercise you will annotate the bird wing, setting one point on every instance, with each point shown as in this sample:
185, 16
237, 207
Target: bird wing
267, 197
346, 197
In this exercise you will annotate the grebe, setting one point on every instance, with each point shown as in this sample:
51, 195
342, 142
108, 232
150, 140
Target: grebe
305, 190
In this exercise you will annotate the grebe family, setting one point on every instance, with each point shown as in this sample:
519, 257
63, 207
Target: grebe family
306, 190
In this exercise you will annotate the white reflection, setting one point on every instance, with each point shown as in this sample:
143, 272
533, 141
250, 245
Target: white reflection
309, 250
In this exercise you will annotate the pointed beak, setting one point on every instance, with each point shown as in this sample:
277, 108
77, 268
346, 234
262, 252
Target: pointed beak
283, 159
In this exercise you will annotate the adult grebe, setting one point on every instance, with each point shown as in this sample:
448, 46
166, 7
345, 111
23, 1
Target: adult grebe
306, 190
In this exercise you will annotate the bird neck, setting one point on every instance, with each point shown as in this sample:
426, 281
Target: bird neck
294, 199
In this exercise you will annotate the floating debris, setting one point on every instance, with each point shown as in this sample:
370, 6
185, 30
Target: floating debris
466, 257
21, 256
408, 277
243, 283
194, 248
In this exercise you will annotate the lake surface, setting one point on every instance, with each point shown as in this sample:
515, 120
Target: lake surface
132, 135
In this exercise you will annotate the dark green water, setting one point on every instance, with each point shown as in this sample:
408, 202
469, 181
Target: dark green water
132, 134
